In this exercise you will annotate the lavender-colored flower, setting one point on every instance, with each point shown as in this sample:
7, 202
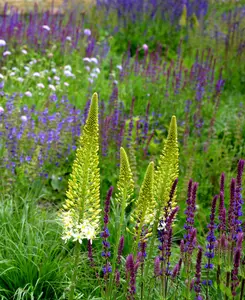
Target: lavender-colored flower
131, 269
120, 250
157, 266
211, 239
176, 269
87, 32
2, 43
105, 234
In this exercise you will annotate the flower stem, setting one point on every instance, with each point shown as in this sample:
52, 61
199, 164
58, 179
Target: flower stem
242, 289
74, 275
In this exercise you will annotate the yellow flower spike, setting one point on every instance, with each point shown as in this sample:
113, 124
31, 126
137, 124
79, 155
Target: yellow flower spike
194, 21
143, 213
168, 168
183, 17
125, 185
83, 194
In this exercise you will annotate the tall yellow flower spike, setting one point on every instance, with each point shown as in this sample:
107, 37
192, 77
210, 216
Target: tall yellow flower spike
168, 168
143, 215
81, 212
183, 17
125, 185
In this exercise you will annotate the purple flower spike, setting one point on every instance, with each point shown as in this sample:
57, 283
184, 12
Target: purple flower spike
197, 286
211, 239
131, 269
157, 267
105, 234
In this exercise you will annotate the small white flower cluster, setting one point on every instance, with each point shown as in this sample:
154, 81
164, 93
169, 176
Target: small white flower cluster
75, 231
95, 71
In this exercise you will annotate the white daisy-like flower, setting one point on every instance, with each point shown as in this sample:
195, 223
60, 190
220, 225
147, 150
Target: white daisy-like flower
40, 85
36, 74
93, 75
46, 27
94, 60
119, 67
87, 59
52, 87
23, 118
97, 70
28, 94
68, 67
2, 43
6, 53
24, 51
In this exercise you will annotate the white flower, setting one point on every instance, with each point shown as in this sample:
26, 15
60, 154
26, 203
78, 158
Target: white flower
94, 60
90, 80
1, 110
67, 235
115, 82
87, 59
68, 73
23, 118
12, 74
33, 62
53, 70
68, 68
2, 43
90, 233
36, 74
66, 83
145, 47
96, 70
20, 79
93, 75
24, 51
79, 236
87, 68
68, 38
1, 76
57, 78
87, 32
27, 68
119, 67
6, 53
52, 87
40, 85
28, 94
46, 27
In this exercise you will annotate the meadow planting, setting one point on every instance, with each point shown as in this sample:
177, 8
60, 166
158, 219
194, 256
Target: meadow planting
122, 151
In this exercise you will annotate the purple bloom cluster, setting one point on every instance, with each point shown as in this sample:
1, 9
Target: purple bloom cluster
105, 234
211, 236
137, 10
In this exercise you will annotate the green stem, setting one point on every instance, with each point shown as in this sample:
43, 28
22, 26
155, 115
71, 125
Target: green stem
120, 225
74, 275
242, 289
227, 282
